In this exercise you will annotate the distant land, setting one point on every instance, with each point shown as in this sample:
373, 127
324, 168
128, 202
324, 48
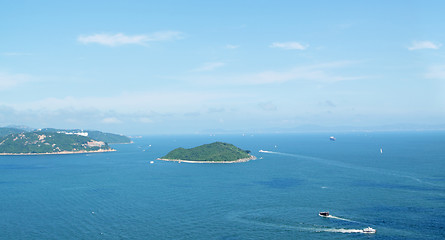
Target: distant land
96, 135
4, 131
15, 141
217, 152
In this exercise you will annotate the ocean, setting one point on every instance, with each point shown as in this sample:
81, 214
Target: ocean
399, 191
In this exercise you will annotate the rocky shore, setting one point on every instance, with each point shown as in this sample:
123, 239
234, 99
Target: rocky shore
62, 152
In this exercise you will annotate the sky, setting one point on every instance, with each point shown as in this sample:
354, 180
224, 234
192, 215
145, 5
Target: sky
166, 67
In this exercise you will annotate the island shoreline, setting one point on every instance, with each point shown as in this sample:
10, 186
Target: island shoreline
191, 161
57, 153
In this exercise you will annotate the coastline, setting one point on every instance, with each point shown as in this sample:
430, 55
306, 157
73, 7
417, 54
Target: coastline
190, 161
56, 153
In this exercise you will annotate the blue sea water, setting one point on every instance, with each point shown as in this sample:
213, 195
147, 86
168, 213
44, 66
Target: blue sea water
120, 195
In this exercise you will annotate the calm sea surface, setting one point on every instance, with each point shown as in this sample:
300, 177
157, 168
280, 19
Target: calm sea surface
120, 195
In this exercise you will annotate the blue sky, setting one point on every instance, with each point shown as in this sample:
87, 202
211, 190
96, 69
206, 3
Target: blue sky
143, 67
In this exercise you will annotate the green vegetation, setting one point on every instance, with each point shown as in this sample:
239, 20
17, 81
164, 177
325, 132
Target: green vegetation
108, 137
4, 131
48, 142
217, 151
96, 135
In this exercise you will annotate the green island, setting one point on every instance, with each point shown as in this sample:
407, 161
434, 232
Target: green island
217, 152
56, 141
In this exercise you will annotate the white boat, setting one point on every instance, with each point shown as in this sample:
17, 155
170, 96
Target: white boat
369, 230
151, 162
381, 150
332, 138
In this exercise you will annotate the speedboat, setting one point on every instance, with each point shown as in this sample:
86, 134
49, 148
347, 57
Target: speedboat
332, 138
369, 230
323, 214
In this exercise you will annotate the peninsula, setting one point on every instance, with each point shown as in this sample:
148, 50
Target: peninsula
56, 141
217, 152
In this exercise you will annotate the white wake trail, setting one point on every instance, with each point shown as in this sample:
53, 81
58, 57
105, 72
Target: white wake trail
339, 230
343, 219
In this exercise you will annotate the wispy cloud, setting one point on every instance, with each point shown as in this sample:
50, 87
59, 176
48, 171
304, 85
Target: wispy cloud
160, 101
322, 73
417, 45
111, 120
144, 120
122, 39
8, 81
15, 54
267, 106
289, 45
208, 67
230, 46
149, 108
327, 103
436, 72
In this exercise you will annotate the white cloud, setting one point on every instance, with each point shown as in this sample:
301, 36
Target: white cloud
208, 67
8, 81
416, 45
122, 39
289, 45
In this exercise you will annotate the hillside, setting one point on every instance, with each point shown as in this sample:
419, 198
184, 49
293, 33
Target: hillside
214, 152
108, 137
40, 142
96, 135
4, 131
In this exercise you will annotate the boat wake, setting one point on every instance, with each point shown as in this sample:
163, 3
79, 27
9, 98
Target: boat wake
339, 230
343, 219
350, 166
301, 226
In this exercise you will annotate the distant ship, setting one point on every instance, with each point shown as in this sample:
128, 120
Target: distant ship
332, 138
369, 230
323, 214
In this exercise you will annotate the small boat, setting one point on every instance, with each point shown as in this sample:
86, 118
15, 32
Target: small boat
381, 150
369, 230
323, 214
151, 162
332, 138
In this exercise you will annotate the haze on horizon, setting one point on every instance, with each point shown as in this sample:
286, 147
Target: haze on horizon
140, 67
